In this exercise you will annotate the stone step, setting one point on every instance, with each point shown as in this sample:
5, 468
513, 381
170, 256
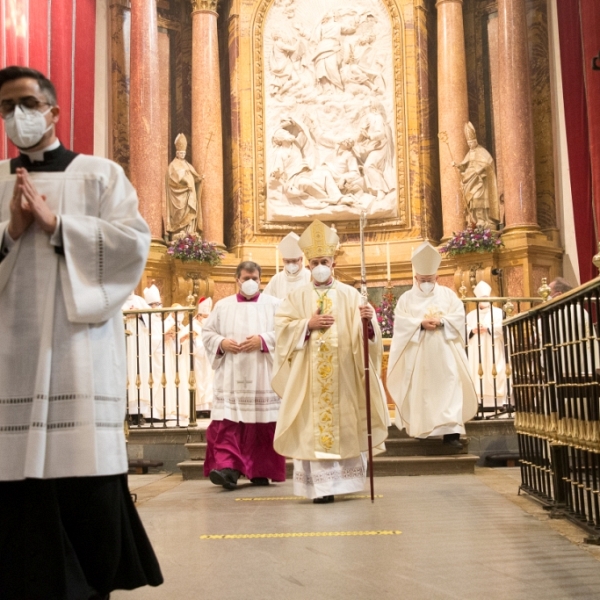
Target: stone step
384, 466
394, 447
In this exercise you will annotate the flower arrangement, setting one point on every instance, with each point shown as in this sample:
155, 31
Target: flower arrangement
194, 248
472, 239
385, 314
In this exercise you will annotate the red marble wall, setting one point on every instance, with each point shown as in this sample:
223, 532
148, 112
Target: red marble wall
58, 39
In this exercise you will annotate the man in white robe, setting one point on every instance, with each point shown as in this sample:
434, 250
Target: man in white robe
428, 374
138, 348
239, 337
319, 374
486, 351
203, 372
293, 275
72, 246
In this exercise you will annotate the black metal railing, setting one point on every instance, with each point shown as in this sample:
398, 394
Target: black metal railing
555, 360
488, 351
161, 374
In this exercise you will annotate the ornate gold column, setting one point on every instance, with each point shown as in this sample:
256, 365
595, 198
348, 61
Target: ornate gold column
207, 141
453, 109
144, 114
516, 121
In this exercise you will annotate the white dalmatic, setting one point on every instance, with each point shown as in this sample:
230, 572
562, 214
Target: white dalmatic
489, 345
283, 283
138, 348
62, 357
242, 385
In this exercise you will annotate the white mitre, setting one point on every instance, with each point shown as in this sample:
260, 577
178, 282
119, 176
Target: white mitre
482, 290
426, 259
318, 240
289, 248
204, 306
152, 295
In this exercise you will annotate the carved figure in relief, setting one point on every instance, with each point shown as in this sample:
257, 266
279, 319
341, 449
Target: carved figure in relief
374, 147
479, 182
326, 58
343, 166
282, 67
183, 189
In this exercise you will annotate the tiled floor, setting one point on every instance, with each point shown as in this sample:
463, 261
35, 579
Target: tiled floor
463, 536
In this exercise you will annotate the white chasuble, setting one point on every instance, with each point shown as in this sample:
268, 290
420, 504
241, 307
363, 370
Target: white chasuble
488, 346
62, 357
321, 379
428, 375
242, 384
282, 284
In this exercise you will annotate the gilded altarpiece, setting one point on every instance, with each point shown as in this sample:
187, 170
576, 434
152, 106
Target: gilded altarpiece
331, 118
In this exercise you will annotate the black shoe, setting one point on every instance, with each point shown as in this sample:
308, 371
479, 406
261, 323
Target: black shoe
260, 481
203, 414
225, 477
453, 440
323, 500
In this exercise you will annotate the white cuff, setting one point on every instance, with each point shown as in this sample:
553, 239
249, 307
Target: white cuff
56, 237
7, 243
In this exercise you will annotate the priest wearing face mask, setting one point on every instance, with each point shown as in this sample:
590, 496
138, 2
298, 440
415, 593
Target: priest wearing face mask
72, 246
428, 374
293, 275
486, 349
239, 339
319, 374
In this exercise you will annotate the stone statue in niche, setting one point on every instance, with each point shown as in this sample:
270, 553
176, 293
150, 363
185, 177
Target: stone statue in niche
184, 188
479, 185
330, 148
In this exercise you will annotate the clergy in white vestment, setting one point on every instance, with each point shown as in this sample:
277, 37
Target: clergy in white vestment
138, 348
486, 350
428, 373
239, 337
293, 275
72, 247
203, 371
319, 374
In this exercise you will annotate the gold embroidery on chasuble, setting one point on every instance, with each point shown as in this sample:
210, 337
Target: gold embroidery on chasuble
325, 392
433, 312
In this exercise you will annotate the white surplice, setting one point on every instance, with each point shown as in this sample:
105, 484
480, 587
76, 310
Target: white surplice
428, 374
203, 372
282, 283
491, 345
138, 347
62, 357
242, 385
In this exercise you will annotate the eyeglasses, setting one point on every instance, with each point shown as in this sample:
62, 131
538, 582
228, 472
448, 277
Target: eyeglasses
30, 102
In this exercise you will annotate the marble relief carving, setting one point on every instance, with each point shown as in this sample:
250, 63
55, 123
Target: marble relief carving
331, 132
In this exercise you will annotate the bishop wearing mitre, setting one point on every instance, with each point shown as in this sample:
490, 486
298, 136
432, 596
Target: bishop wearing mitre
428, 374
293, 275
319, 373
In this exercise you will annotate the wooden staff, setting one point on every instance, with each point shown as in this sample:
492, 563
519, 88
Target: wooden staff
365, 323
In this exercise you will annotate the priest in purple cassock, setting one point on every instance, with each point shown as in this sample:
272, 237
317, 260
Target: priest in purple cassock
239, 335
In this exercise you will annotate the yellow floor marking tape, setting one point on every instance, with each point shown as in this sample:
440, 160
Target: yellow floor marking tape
250, 536
350, 496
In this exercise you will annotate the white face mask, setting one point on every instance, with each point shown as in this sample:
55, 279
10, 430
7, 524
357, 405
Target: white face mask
484, 305
26, 126
249, 287
292, 268
426, 287
321, 273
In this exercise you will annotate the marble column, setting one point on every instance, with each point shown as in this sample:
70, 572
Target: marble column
207, 136
453, 110
144, 114
516, 121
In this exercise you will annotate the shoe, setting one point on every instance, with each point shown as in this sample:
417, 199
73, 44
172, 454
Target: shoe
260, 481
453, 444
225, 477
324, 500
203, 414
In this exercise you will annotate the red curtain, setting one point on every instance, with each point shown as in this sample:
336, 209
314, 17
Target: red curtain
575, 70
56, 37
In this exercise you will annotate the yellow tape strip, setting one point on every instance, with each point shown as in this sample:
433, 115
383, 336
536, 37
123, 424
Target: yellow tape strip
250, 536
351, 496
